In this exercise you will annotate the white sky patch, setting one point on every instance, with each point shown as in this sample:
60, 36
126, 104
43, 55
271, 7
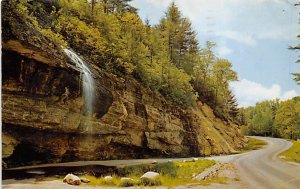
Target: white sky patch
239, 37
248, 93
223, 51
289, 94
160, 3
287, 33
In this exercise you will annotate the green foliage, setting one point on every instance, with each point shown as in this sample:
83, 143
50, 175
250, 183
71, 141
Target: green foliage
151, 182
187, 169
54, 36
165, 57
274, 118
168, 169
171, 174
23, 10
211, 80
297, 77
136, 170
287, 119
128, 182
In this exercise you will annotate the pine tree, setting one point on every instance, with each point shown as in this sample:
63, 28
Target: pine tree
232, 106
178, 34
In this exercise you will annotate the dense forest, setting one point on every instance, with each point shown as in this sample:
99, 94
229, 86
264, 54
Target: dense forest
165, 57
272, 118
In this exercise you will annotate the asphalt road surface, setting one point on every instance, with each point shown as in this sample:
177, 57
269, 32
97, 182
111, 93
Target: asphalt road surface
262, 169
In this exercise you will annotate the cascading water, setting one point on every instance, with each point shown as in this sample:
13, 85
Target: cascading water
87, 81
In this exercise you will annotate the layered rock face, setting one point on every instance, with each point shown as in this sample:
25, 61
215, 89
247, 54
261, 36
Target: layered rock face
42, 122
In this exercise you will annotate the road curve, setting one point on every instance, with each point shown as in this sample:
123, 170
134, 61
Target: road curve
258, 169
262, 169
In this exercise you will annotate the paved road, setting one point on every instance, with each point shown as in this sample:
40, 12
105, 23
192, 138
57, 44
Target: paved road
259, 169
262, 169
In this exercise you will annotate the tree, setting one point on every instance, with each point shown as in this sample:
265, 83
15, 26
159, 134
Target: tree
287, 119
274, 118
297, 77
93, 2
165, 57
233, 109
260, 119
178, 34
117, 6
202, 74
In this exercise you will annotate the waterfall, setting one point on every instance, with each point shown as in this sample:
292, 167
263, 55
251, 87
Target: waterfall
87, 81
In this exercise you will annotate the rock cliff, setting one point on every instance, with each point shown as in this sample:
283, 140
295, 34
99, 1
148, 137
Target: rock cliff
43, 123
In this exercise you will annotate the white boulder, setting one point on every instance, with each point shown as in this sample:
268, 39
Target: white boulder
154, 162
72, 179
108, 178
150, 175
195, 159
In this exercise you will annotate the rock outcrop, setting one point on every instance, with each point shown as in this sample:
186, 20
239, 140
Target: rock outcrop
130, 121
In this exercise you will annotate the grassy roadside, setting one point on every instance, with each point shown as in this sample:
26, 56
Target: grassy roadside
254, 144
171, 174
293, 153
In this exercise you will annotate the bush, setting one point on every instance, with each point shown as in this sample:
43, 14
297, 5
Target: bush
167, 169
151, 182
128, 182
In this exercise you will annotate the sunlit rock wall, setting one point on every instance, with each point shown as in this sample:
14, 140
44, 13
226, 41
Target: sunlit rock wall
43, 123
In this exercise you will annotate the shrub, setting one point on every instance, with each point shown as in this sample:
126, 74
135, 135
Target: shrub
167, 169
151, 182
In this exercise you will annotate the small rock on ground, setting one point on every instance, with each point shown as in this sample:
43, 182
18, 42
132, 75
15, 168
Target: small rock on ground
72, 179
150, 175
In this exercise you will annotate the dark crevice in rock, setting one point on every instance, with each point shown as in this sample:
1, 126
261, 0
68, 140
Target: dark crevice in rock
27, 153
28, 75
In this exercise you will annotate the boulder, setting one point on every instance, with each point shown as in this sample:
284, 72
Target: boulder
151, 178
150, 175
108, 178
72, 179
195, 159
154, 162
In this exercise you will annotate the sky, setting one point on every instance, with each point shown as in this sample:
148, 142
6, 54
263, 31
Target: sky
253, 34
